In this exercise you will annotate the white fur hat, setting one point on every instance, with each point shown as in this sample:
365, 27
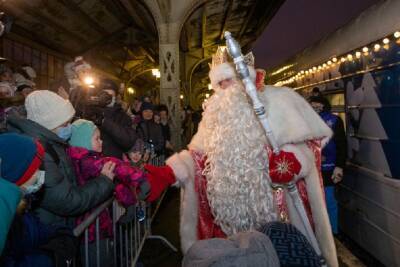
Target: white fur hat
80, 64
48, 109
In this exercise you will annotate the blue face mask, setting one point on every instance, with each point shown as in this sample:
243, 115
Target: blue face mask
65, 132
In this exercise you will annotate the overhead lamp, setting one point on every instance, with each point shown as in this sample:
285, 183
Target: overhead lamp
377, 47
181, 96
358, 54
329, 62
343, 59
131, 90
397, 34
365, 49
334, 59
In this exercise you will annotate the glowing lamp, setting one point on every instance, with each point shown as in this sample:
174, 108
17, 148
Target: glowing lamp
88, 80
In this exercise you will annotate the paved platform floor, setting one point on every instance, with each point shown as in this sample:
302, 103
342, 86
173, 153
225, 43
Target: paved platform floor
166, 223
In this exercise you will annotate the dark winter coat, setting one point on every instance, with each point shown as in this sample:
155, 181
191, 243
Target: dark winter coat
117, 132
62, 197
151, 133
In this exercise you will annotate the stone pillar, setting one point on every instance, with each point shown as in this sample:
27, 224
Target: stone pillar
170, 17
170, 87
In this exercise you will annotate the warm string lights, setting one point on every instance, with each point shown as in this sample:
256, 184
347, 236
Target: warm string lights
383, 44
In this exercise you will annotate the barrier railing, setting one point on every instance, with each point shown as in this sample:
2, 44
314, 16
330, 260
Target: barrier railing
128, 239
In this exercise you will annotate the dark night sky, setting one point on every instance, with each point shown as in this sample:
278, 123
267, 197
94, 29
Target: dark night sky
300, 23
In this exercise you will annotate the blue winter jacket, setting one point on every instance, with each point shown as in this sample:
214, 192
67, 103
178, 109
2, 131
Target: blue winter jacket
26, 236
329, 151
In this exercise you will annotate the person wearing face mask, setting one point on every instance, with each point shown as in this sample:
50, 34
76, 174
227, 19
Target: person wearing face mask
21, 179
48, 120
115, 125
333, 156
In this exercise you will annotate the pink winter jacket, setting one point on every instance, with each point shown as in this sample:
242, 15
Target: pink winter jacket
88, 164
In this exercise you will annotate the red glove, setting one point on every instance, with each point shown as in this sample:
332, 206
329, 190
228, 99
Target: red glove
159, 179
283, 167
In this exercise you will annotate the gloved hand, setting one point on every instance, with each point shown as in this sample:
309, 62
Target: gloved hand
159, 179
337, 175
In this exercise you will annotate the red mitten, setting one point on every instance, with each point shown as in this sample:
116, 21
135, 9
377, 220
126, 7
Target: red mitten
283, 167
159, 179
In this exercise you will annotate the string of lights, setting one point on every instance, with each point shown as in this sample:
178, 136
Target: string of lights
365, 51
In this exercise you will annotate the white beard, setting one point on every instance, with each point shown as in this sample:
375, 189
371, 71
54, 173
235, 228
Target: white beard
238, 187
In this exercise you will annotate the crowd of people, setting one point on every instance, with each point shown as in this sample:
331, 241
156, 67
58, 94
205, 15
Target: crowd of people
65, 151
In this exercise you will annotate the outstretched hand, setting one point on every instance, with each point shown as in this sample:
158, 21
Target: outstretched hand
108, 170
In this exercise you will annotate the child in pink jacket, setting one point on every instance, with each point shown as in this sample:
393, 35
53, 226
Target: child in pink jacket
131, 182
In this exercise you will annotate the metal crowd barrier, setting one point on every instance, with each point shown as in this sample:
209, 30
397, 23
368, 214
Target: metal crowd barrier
124, 248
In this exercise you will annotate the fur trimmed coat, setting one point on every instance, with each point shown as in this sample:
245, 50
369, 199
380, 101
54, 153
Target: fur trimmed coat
293, 123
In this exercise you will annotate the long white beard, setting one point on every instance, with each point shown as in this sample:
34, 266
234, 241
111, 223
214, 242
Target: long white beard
238, 187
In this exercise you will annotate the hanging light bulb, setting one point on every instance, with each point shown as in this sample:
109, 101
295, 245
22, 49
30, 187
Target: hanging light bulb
358, 54
365, 49
350, 57
343, 59
397, 34
131, 90
324, 65
377, 47
329, 62
181, 96
314, 68
334, 60
306, 72
386, 40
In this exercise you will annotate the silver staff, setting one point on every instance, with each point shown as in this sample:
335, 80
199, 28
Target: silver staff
242, 68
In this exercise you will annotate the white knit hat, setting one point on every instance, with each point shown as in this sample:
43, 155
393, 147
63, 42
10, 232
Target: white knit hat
48, 109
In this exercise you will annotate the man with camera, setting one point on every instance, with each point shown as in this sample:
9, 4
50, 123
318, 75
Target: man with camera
115, 125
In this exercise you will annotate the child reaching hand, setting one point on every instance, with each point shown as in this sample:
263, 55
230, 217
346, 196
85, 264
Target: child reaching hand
131, 182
